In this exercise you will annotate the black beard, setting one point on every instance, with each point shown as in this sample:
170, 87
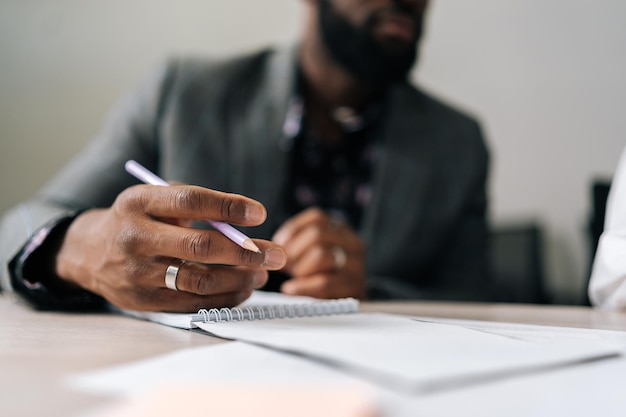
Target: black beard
357, 51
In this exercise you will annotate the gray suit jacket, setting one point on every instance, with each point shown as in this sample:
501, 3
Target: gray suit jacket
219, 125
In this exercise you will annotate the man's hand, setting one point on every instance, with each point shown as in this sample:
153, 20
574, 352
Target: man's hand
122, 253
326, 259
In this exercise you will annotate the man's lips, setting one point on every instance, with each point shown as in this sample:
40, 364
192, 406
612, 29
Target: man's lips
397, 26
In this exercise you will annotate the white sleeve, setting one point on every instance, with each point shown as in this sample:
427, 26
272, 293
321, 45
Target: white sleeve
607, 287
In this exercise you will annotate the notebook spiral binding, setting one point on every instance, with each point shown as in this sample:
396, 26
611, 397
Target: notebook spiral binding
280, 311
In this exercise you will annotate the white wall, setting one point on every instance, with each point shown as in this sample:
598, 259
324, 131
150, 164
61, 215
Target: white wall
544, 76
547, 78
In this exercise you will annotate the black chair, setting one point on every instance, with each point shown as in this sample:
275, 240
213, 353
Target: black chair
516, 261
599, 194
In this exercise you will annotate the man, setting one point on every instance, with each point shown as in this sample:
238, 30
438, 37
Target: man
370, 187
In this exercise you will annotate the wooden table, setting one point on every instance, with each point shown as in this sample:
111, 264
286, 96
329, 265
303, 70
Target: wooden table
38, 349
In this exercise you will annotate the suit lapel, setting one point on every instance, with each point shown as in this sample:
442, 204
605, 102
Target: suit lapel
259, 135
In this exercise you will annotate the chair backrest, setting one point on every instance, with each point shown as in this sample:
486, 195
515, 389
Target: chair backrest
516, 259
599, 194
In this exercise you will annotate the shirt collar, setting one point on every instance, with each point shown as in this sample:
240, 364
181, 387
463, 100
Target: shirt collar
350, 121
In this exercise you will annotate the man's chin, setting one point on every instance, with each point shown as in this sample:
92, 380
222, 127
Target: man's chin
393, 46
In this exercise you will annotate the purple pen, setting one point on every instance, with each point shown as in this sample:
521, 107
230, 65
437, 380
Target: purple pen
143, 174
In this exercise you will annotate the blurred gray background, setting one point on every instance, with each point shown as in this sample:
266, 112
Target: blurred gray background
546, 77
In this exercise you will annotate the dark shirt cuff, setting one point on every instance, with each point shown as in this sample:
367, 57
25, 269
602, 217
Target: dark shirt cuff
33, 279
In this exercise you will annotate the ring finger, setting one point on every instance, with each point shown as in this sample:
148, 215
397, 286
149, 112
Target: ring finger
204, 279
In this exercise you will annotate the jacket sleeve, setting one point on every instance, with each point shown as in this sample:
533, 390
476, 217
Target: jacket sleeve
93, 179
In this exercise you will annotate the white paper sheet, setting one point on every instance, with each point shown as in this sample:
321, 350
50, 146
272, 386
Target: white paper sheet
410, 355
536, 333
226, 363
589, 389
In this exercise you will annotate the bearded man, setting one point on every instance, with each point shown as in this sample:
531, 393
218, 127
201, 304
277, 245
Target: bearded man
358, 183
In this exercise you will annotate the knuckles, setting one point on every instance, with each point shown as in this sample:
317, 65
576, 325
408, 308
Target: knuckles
131, 199
317, 215
191, 200
130, 239
318, 253
227, 208
199, 245
186, 199
201, 283
316, 233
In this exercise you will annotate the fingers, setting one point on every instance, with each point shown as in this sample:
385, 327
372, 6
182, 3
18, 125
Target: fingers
309, 239
203, 279
312, 241
319, 258
325, 286
122, 253
145, 235
196, 286
154, 238
312, 217
191, 202
326, 259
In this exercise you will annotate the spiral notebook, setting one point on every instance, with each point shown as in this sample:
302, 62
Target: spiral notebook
262, 305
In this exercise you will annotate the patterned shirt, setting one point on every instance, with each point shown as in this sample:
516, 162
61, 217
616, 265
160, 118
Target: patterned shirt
337, 177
